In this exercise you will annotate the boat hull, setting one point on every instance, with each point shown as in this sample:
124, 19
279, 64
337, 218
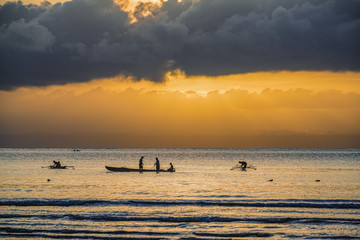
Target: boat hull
61, 167
125, 169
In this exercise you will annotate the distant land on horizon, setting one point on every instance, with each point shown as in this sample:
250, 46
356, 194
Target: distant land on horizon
124, 141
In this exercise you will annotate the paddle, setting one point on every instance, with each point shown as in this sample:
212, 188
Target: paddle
251, 166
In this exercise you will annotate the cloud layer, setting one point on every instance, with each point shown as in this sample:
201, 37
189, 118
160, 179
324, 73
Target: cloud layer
82, 40
63, 110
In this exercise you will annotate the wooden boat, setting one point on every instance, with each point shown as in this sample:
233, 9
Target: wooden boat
125, 169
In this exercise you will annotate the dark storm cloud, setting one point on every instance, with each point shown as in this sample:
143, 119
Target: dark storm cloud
85, 39
241, 36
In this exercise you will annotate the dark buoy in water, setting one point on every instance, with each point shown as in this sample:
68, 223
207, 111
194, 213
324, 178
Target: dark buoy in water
48, 180
317, 180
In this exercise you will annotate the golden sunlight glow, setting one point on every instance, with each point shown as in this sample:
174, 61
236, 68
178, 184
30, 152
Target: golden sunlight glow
224, 108
131, 3
252, 82
261, 109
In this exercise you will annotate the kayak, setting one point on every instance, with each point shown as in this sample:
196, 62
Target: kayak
125, 169
243, 168
59, 167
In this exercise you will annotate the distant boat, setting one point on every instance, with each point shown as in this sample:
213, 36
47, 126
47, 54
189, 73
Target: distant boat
242, 168
125, 169
59, 167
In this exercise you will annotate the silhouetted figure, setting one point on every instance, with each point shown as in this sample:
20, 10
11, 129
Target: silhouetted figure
171, 168
243, 165
157, 164
141, 163
57, 164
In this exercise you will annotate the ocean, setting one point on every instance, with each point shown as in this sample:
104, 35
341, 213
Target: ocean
292, 194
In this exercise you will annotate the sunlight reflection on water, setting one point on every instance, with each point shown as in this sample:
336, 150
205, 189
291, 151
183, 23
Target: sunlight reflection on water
202, 199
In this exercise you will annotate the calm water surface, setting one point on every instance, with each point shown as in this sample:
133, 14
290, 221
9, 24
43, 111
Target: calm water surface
293, 194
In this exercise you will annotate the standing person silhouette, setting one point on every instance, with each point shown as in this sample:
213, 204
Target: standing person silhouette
141, 163
157, 164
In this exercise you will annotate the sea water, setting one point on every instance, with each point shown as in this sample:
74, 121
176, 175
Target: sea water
292, 194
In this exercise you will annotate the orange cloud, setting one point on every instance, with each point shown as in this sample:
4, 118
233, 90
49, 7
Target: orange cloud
140, 110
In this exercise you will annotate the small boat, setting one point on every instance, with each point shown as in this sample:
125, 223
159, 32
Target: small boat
125, 169
57, 167
237, 166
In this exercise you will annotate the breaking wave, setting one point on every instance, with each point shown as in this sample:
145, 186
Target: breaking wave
287, 203
199, 219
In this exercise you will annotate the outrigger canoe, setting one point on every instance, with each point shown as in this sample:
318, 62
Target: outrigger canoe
242, 168
125, 169
58, 167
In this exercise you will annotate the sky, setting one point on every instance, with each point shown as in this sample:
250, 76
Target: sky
204, 73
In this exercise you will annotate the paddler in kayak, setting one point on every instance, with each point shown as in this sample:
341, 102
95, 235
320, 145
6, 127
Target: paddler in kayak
157, 164
243, 165
56, 164
141, 163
